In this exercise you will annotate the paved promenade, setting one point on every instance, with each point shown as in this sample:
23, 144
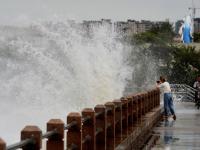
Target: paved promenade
182, 134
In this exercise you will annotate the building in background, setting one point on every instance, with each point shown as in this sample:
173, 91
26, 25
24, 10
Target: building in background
134, 27
91, 25
197, 25
126, 28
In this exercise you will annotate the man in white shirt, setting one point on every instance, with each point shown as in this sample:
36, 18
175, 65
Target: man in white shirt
168, 101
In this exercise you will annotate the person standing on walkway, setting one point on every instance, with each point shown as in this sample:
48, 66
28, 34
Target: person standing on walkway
168, 100
197, 87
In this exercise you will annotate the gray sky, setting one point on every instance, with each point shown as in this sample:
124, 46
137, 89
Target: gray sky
18, 11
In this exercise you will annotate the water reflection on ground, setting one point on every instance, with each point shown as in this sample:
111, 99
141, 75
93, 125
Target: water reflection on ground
182, 134
168, 134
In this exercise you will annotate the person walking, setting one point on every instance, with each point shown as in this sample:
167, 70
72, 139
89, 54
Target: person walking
168, 100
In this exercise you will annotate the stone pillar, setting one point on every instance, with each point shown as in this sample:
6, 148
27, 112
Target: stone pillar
34, 133
101, 123
74, 134
150, 101
139, 98
118, 121
153, 99
2, 144
158, 97
130, 111
143, 103
124, 117
110, 143
135, 109
56, 141
89, 130
146, 102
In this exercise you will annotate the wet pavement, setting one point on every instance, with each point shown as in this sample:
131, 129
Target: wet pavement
182, 134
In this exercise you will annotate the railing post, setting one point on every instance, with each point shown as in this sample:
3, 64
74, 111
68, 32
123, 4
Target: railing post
135, 109
158, 97
147, 103
124, 117
155, 98
74, 134
89, 129
150, 100
118, 121
110, 143
56, 141
32, 132
143, 104
130, 111
2, 144
101, 124
139, 108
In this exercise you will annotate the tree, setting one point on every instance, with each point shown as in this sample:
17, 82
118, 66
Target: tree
181, 64
184, 65
158, 35
196, 37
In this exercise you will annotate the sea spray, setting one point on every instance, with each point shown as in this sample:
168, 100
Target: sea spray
51, 68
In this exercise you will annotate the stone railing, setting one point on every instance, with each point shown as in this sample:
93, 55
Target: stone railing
119, 124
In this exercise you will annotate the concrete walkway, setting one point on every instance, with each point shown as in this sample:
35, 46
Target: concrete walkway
182, 134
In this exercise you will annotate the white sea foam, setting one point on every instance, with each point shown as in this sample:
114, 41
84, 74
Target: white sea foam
51, 68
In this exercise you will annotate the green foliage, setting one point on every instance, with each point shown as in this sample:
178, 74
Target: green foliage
159, 39
157, 35
196, 37
184, 65
181, 64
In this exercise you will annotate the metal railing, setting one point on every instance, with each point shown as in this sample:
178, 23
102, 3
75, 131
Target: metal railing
20, 144
183, 92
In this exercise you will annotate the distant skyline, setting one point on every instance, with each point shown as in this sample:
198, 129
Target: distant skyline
25, 11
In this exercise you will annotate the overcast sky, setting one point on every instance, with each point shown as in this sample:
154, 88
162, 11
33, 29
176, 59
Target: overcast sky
16, 11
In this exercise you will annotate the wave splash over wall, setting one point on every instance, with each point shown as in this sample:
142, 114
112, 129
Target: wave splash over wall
51, 68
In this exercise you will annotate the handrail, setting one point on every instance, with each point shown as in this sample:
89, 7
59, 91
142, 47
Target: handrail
20, 144
185, 89
108, 110
85, 119
99, 130
190, 87
86, 139
98, 114
49, 134
73, 146
73, 123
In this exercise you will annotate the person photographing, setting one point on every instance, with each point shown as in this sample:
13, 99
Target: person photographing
168, 100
